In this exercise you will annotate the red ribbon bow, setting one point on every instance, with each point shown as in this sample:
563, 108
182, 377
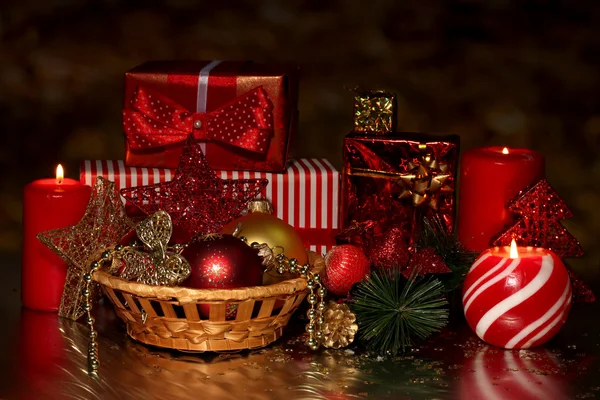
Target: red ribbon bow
155, 120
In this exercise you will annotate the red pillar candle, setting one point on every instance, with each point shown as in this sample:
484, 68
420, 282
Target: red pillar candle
47, 204
42, 351
517, 298
489, 178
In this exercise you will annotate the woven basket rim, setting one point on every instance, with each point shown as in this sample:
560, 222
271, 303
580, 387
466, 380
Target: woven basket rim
189, 295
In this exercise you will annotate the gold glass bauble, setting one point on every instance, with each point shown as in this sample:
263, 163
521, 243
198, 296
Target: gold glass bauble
261, 227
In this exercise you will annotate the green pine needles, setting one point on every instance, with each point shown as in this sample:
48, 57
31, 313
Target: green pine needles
392, 311
447, 246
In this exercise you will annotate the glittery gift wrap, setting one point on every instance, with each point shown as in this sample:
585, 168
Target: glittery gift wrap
244, 113
395, 180
306, 196
374, 111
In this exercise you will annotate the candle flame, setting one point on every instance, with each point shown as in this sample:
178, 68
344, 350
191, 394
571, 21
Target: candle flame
60, 174
505, 150
514, 253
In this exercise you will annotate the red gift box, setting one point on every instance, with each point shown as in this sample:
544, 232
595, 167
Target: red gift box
306, 196
397, 179
244, 113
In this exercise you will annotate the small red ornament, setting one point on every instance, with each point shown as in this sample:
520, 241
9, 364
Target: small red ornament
517, 302
389, 250
427, 261
345, 265
197, 199
223, 262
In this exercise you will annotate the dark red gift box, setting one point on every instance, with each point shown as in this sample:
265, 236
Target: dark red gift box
244, 113
395, 180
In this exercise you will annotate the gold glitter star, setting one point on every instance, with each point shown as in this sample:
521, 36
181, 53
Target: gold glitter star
103, 225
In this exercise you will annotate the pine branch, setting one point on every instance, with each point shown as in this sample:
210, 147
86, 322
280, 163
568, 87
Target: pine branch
447, 246
392, 311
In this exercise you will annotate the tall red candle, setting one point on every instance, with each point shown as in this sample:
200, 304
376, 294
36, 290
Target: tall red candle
47, 204
489, 178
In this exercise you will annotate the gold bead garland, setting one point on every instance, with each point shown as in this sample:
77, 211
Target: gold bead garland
329, 325
93, 361
316, 296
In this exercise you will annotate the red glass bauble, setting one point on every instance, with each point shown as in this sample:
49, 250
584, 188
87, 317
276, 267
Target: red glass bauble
345, 265
223, 262
262, 227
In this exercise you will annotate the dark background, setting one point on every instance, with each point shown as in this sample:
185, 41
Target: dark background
516, 73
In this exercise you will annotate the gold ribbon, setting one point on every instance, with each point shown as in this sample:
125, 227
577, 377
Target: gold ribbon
425, 180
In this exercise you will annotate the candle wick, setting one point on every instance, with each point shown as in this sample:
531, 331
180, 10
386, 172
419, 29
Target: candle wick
59, 180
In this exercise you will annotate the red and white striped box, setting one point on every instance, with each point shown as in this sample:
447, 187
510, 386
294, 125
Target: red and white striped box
306, 196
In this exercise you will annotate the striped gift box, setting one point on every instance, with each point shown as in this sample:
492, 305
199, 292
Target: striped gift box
306, 196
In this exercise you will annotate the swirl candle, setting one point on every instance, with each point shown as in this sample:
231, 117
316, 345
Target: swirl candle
47, 204
489, 178
517, 298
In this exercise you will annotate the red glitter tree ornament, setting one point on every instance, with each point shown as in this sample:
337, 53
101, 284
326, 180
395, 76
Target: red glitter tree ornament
198, 201
540, 208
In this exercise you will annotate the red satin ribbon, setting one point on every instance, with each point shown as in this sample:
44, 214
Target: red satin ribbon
155, 120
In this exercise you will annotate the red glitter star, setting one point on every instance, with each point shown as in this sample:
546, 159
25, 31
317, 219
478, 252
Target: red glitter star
198, 201
427, 262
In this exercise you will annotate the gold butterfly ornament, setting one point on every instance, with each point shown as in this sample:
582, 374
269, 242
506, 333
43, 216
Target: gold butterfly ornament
156, 263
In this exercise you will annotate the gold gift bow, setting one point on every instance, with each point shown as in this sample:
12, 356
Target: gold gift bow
423, 182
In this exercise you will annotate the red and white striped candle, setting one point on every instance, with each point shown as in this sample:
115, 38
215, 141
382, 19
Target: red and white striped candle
306, 196
499, 375
516, 298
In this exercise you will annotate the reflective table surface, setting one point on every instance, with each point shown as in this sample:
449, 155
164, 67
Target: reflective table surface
43, 357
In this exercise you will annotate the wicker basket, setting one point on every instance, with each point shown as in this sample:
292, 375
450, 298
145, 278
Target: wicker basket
201, 320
